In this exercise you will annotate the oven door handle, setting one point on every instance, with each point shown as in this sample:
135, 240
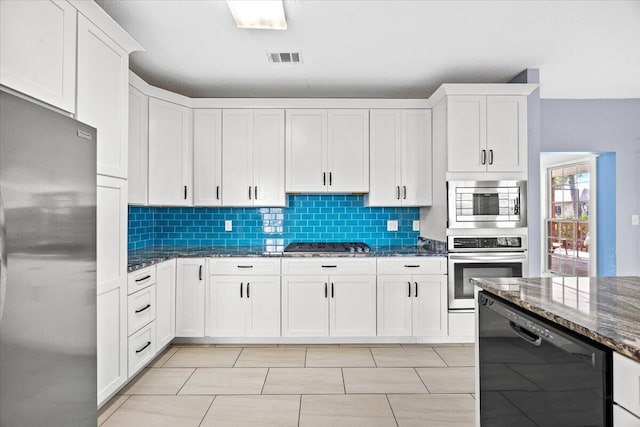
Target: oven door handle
529, 337
489, 256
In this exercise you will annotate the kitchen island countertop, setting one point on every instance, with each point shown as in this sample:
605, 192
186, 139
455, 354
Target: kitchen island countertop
141, 258
604, 309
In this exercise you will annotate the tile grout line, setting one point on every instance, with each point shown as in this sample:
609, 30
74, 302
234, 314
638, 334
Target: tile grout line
237, 357
170, 357
441, 358
421, 380
185, 383
207, 411
265, 381
300, 410
392, 411
373, 357
116, 410
344, 385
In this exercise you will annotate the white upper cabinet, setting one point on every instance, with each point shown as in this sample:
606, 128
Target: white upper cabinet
170, 154
401, 160
207, 157
486, 133
327, 151
253, 158
138, 147
103, 96
38, 50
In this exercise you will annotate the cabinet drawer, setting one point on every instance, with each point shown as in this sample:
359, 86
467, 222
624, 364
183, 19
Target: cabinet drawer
304, 266
412, 265
142, 348
140, 279
244, 266
626, 383
141, 309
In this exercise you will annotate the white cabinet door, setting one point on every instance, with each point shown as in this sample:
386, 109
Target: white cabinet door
237, 161
623, 418
348, 151
103, 97
170, 154
268, 158
225, 306
207, 157
38, 50
395, 306
416, 169
138, 147
429, 306
352, 307
262, 306
165, 302
306, 141
190, 297
506, 133
305, 306
111, 257
467, 133
386, 143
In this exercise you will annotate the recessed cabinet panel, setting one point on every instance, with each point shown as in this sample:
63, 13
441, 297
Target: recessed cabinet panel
38, 50
416, 169
348, 151
430, 306
262, 306
386, 144
170, 152
165, 302
305, 306
352, 310
207, 157
306, 162
395, 318
138, 147
103, 96
237, 161
268, 158
506, 133
190, 297
225, 299
111, 340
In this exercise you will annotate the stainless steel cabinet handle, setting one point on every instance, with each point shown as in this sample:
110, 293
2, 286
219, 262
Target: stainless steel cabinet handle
3, 259
144, 347
490, 157
241, 283
148, 306
248, 284
483, 157
142, 279
416, 294
200, 273
404, 190
409, 289
255, 192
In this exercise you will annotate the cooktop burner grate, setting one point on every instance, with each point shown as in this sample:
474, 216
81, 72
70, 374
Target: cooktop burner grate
329, 247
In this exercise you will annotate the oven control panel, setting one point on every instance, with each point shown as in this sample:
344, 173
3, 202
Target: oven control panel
479, 244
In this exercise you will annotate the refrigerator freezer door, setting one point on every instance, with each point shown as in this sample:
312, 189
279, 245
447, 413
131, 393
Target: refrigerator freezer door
48, 326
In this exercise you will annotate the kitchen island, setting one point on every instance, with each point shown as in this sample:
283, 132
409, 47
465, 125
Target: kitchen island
559, 351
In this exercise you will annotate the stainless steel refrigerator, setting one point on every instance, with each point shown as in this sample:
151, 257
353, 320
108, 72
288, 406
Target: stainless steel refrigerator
48, 269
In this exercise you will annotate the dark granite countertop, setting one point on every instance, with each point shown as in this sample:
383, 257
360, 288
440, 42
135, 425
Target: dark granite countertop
140, 258
605, 309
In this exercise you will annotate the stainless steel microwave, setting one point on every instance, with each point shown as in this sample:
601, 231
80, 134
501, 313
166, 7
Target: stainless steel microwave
487, 204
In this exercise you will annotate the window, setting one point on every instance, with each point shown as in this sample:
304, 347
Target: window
568, 237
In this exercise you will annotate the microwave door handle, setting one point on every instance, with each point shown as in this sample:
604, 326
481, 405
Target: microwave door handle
491, 257
516, 206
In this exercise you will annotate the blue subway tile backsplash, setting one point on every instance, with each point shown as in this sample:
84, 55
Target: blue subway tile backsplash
317, 218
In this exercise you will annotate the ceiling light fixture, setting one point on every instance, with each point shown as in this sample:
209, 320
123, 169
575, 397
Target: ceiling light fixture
262, 14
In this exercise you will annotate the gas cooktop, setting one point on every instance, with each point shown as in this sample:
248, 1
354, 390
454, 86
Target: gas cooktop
335, 247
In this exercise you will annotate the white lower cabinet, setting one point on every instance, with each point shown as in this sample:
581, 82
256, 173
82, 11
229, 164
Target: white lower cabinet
165, 302
111, 340
141, 309
321, 305
243, 298
412, 304
142, 348
626, 391
190, 297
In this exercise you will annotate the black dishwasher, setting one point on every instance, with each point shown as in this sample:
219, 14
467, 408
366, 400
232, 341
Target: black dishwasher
534, 374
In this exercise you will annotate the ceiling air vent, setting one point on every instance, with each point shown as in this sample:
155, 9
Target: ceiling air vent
285, 57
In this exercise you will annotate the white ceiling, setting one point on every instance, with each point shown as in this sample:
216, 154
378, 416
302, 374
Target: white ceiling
387, 48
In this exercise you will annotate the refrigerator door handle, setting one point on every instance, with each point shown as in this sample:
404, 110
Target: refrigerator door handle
3, 259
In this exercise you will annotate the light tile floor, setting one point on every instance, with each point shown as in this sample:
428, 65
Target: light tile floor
297, 385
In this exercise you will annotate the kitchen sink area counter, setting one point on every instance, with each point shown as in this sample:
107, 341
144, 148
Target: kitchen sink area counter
604, 309
141, 258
